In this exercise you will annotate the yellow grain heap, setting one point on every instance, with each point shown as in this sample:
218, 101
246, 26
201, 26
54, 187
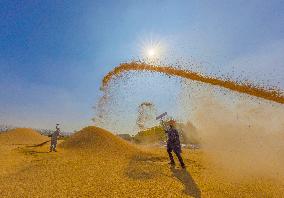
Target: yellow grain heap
95, 139
22, 136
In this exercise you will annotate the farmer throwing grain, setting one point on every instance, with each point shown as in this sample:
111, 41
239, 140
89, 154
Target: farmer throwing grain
54, 137
173, 144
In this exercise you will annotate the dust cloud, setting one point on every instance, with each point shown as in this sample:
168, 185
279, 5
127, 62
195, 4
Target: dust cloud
239, 134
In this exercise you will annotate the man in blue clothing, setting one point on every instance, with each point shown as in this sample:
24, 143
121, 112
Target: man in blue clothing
173, 144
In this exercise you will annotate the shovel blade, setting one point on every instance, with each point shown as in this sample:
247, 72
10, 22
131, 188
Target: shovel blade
161, 116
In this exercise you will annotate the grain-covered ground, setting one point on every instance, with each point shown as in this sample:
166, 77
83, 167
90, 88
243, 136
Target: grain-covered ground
95, 163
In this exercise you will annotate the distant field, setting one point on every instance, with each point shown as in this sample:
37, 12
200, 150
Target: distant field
95, 163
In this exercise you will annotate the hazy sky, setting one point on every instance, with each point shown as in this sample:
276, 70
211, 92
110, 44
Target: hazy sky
54, 54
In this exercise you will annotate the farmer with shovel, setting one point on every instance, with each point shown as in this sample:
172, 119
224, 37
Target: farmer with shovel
54, 137
173, 142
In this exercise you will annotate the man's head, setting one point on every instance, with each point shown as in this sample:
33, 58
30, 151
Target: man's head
171, 123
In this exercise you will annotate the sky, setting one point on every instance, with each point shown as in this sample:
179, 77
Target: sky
54, 54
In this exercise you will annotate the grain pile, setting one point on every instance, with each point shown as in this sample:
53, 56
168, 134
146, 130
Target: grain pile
94, 139
22, 136
10, 144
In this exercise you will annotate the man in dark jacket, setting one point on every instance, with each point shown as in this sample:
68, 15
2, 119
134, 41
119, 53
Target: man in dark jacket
173, 144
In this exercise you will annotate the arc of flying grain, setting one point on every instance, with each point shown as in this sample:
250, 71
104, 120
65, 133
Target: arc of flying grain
261, 92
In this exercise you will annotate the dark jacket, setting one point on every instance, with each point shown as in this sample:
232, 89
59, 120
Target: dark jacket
173, 141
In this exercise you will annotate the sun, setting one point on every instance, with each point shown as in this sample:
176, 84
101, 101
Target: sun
152, 49
151, 52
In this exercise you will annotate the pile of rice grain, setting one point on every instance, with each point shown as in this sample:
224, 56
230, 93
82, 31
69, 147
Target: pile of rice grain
22, 136
95, 139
